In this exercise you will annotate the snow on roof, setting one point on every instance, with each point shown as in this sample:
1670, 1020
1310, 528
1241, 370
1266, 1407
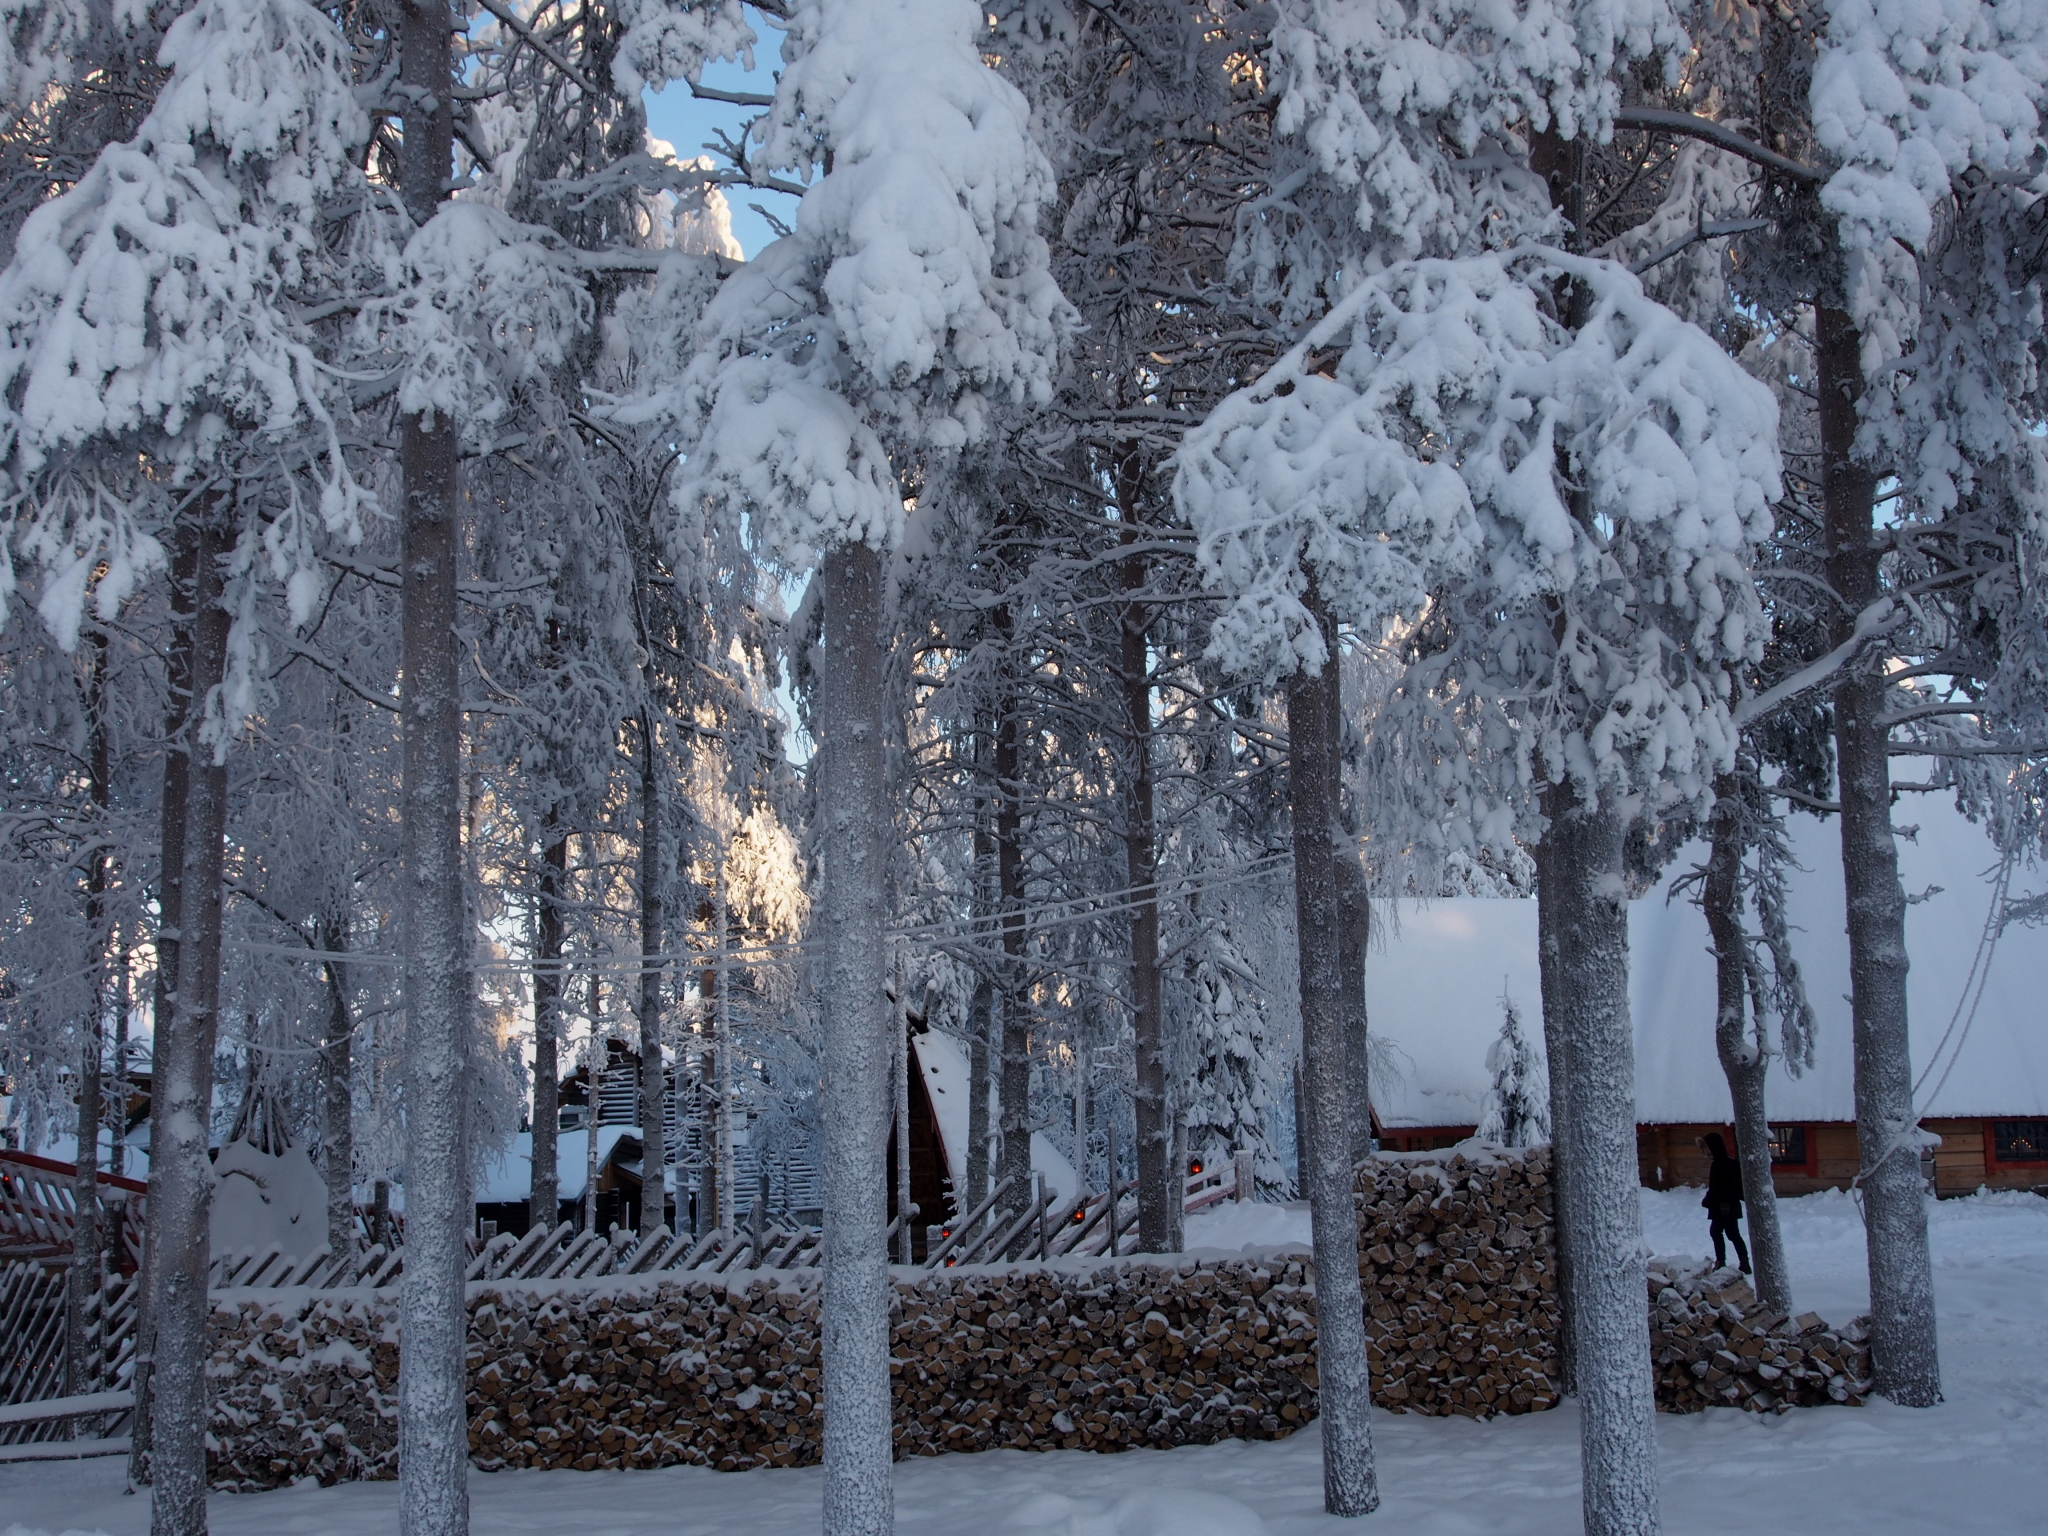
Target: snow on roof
944, 1061
1433, 990
509, 1176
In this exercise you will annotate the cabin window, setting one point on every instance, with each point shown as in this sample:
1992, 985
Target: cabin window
1788, 1146
2019, 1141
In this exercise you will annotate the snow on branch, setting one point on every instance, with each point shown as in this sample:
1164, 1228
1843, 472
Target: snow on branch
157, 301
1432, 452
912, 301
1907, 97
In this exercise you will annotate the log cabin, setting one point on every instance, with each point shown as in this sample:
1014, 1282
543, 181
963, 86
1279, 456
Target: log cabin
1979, 1013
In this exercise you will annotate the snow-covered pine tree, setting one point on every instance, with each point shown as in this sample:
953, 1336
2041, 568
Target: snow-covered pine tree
1900, 251
1545, 661
1932, 118
1517, 1112
910, 306
209, 225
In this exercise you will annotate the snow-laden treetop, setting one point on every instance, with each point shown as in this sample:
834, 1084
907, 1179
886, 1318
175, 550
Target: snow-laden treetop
1431, 452
149, 293
1388, 94
912, 300
156, 301
1571, 512
1907, 95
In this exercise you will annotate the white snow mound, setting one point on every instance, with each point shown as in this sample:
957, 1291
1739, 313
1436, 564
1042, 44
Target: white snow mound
1152, 1512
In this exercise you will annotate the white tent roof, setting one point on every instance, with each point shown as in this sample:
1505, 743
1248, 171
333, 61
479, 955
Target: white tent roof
1434, 987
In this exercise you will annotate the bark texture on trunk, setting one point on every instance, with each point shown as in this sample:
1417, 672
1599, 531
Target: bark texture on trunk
1354, 933
1350, 1482
981, 1008
433, 1422
1743, 1061
899, 1114
1158, 1211
181, 1184
171, 810
853, 812
1602, 1212
338, 1066
545, 1203
1013, 1095
653, 1074
1903, 1351
1551, 901
81, 1370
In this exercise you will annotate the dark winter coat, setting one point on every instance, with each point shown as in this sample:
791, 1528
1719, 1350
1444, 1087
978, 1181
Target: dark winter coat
1724, 1188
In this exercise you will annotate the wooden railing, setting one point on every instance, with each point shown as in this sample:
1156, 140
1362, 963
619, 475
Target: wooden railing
39, 1211
32, 1316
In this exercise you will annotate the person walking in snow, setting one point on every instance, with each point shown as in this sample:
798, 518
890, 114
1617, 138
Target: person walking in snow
1724, 1202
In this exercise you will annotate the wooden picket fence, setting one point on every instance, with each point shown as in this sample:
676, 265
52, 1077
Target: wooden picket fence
32, 1316
37, 1214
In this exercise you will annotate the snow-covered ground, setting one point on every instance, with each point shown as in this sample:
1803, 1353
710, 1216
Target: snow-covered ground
1974, 1464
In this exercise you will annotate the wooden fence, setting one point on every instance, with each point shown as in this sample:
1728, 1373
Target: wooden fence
35, 1248
32, 1315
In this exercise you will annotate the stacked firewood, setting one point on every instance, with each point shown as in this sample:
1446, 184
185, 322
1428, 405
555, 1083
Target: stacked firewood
1460, 1282
304, 1385
1026, 1358
651, 1370
1714, 1345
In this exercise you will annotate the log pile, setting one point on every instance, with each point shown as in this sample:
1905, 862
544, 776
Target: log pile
304, 1385
1023, 1358
1081, 1354
1460, 1281
1714, 1345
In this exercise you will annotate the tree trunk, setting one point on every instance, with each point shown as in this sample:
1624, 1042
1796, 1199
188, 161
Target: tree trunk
653, 1073
171, 811
544, 1205
981, 1008
1354, 932
728, 1172
709, 1217
900, 1116
600, 1054
1158, 1211
433, 1423
81, 1369
1903, 1352
338, 1063
1743, 1061
1601, 1215
1350, 1482
853, 813
1013, 1097
181, 1176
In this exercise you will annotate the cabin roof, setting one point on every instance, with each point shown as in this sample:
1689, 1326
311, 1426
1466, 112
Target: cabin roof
1438, 969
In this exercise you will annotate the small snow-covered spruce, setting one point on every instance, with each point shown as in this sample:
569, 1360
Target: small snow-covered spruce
1517, 1112
911, 303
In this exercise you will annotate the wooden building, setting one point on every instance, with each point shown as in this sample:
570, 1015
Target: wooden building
1436, 981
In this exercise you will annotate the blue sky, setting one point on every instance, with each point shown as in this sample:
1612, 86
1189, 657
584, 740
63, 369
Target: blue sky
691, 125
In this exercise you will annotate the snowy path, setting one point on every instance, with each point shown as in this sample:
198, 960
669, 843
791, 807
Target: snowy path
1974, 1464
